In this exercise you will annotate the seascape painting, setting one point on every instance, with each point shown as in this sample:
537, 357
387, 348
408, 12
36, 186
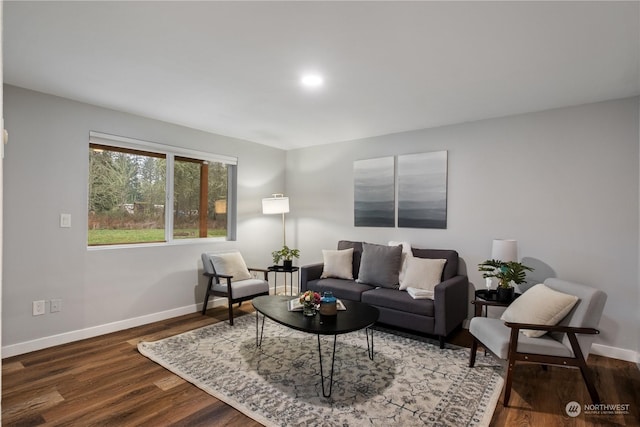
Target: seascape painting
422, 190
374, 192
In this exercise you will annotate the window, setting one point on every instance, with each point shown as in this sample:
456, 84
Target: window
131, 184
199, 198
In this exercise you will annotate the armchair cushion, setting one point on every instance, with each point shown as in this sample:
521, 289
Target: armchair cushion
243, 288
496, 336
540, 305
230, 264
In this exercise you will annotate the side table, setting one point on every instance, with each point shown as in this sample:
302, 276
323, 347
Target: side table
488, 298
281, 269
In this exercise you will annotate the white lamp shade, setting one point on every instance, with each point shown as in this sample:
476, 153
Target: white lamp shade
504, 250
275, 205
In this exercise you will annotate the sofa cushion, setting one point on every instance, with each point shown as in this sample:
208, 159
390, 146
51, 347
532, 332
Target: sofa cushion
406, 254
397, 300
450, 268
338, 264
345, 289
357, 254
422, 273
380, 265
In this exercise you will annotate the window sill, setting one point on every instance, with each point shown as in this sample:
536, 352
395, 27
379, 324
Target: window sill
178, 242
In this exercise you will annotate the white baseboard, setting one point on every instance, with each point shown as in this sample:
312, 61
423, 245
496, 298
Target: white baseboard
94, 331
615, 353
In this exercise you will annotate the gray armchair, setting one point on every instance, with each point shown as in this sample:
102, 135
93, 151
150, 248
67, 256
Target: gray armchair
229, 277
565, 344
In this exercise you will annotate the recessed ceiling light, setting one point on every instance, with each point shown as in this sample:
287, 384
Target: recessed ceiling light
312, 80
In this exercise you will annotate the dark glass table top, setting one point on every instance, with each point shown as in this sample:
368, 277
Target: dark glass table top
282, 269
358, 315
490, 297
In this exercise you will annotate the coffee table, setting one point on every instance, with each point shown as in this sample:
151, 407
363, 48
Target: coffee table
358, 315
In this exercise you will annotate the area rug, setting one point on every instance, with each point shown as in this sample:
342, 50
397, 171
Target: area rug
410, 382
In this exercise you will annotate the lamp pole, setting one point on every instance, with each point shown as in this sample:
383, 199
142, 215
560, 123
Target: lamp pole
284, 235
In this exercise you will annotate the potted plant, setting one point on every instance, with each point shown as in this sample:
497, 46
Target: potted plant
506, 272
286, 254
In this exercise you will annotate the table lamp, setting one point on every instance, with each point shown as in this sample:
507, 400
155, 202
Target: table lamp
502, 250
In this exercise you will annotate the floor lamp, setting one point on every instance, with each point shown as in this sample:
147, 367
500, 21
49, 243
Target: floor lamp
278, 204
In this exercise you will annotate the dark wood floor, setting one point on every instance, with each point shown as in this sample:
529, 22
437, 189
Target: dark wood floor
105, 381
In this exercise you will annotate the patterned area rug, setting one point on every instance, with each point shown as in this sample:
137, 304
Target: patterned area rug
410, 382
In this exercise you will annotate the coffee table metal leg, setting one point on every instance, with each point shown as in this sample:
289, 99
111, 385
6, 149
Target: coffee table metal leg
259, 340
369, 348
333, 358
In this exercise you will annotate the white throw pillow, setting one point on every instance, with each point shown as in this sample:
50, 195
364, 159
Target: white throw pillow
540, 305
406, 253
422, 273
337, 264
231, 264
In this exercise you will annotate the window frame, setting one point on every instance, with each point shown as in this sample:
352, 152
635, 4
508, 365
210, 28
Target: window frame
170, 152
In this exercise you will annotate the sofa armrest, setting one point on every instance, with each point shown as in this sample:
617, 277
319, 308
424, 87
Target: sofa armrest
451, 304
309, 272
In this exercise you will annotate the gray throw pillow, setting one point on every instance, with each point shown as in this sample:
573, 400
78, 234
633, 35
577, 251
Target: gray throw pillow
380, 265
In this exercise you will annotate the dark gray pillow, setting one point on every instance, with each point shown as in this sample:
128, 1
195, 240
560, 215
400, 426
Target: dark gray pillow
380, 265
357, 254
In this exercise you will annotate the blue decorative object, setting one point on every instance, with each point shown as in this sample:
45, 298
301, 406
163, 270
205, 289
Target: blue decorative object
328, 304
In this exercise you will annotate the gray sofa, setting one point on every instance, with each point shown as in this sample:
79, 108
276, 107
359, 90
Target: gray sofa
439, 316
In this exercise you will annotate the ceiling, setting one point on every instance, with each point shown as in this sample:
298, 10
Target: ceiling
233, 68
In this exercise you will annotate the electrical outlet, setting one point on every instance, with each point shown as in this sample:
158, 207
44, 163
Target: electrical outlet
38, 307
65, 220
56, 305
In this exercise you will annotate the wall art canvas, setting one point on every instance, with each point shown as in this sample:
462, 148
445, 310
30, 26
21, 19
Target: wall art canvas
422, 190
374, 192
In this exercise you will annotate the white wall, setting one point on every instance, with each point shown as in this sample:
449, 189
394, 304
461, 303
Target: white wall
46, 169
1, 175
563, 182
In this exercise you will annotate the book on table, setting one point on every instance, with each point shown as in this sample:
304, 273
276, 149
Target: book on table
296, 305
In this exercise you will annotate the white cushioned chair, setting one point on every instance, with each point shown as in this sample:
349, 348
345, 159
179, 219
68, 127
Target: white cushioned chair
229, 277
566, 344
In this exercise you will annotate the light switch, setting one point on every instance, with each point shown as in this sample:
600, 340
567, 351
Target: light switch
65, 220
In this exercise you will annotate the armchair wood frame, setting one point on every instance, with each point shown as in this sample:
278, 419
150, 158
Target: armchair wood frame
214, 279
577, 361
